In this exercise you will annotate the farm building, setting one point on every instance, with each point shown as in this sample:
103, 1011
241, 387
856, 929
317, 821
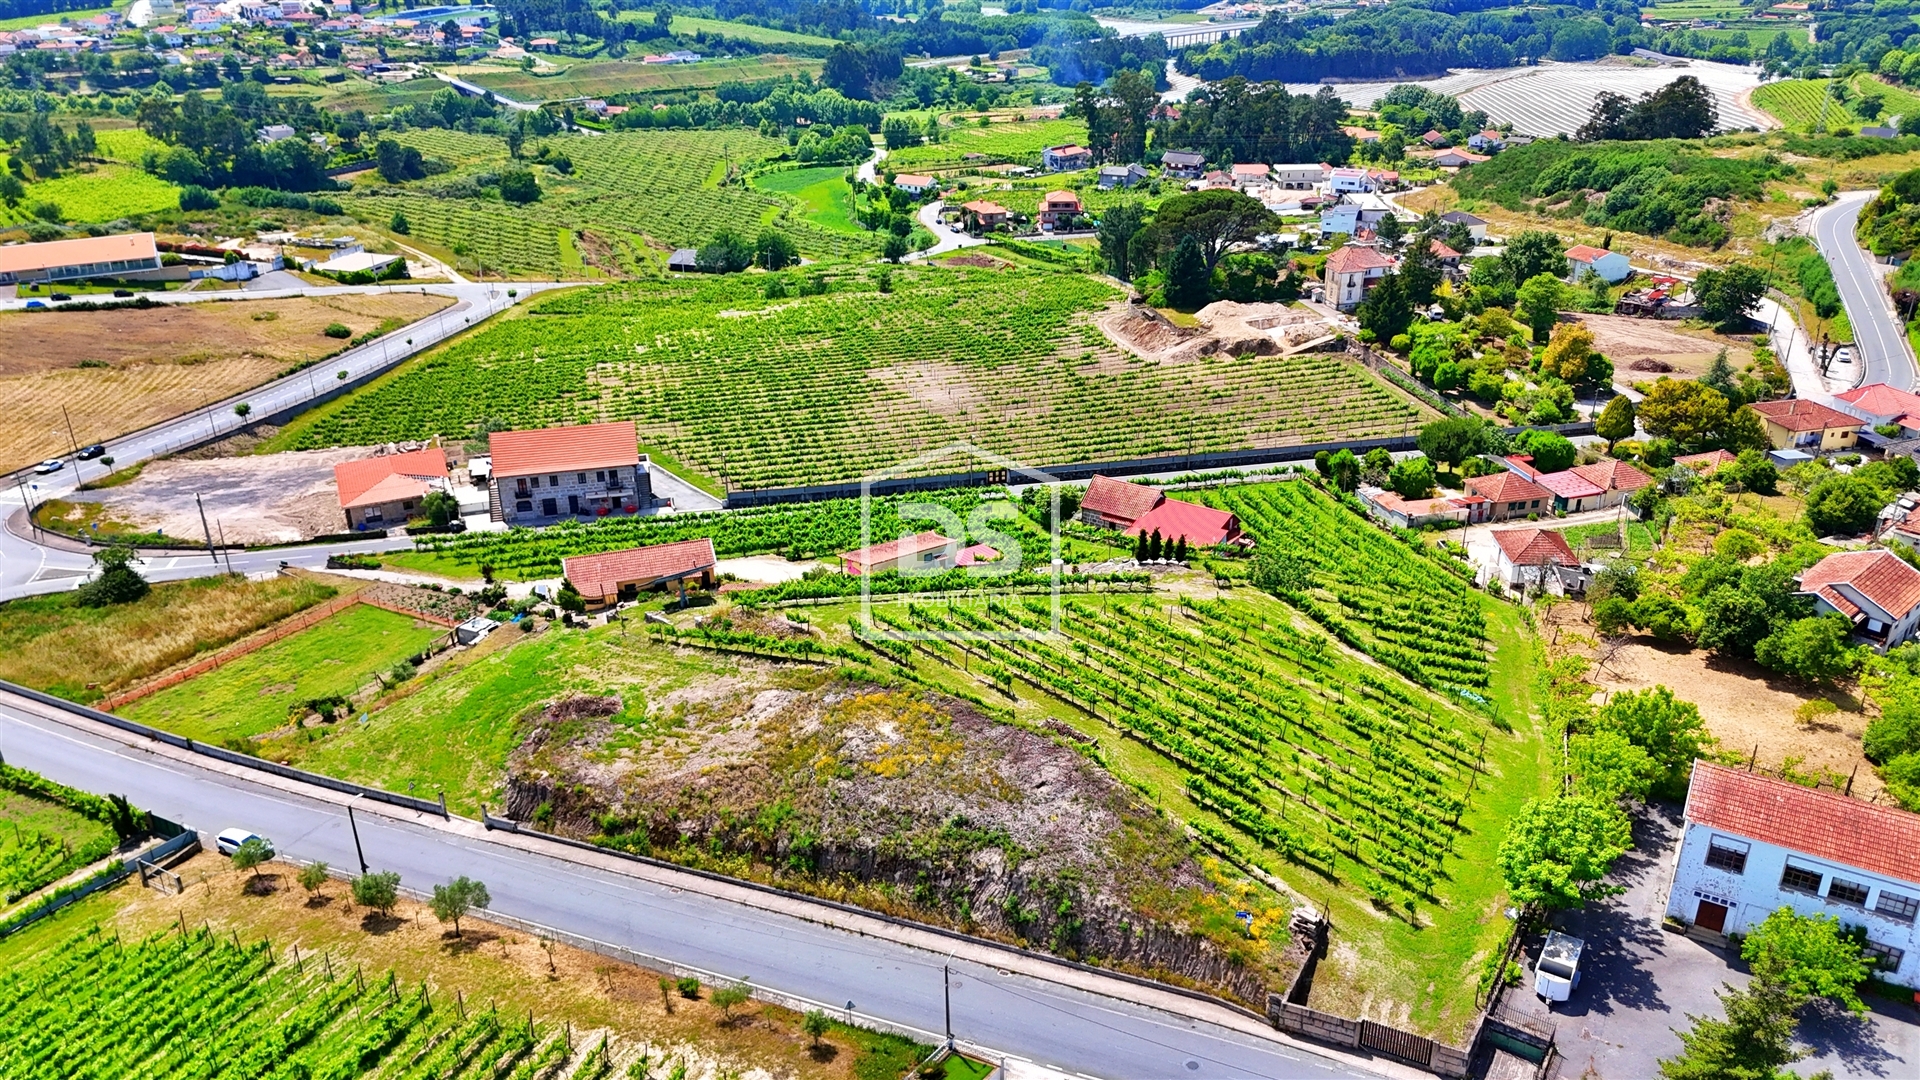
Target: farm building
1754, 844
1536, 558
1116, 504
380, 492
1066, 158
1807, 425
358, 262
915, 183
684, 261
921, 551
1351, 271
1511, 495
1058, 209
549, 473
121, 255
1584, 259
1183, 164
1401, 513
1879, 404
612, 576
1139, 510
1876, 590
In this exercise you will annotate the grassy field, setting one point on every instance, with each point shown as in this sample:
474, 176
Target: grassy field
1018, 142
691, 24
267, 979
96, 193
842, 385
1797, 102
252, 695
823, 194
41, 842
600, 78
54, 644
119, 371
27, 22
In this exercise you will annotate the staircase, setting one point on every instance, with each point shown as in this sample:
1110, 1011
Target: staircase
493, 502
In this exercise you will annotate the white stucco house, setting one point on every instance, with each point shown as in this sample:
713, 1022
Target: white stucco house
1583, 260
1754, 844
1876, 590
1351, 271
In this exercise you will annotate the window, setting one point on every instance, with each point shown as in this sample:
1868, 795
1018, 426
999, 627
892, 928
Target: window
1800, 880
1729, 855
1843, 891
599, 476
1884, 957
535, 482
553, 481
1895, 906
580, 478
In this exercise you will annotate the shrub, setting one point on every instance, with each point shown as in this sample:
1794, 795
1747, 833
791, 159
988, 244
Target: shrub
338, 331
689, 987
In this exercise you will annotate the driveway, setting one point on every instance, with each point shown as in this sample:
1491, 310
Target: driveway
274, 279
1640, 982
1879, 337
944, 239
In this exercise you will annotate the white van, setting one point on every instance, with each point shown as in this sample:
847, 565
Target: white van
1558, 971
230, 840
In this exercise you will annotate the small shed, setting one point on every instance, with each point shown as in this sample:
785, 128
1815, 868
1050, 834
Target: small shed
683, 261
473, 630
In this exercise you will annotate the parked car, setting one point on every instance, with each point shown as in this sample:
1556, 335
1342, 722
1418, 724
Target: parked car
88, 453
229, 841
32, 304
62, 296
52, 464
123, 292
1558, 971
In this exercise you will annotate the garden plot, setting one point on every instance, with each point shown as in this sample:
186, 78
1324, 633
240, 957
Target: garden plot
1556, 97
1663, 347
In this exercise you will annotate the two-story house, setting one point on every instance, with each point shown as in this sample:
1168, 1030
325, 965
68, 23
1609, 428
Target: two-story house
550, 473
1066, 158
1876, 590
1350, 272
1754, 844
1807, 425
1058, 209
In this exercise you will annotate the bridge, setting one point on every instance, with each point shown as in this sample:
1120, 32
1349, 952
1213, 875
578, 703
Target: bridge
1180, 35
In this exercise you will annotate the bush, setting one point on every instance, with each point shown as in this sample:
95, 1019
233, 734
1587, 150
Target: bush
338, 331
688, 987
195, 197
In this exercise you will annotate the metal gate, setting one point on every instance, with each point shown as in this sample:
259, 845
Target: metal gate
1395, 1043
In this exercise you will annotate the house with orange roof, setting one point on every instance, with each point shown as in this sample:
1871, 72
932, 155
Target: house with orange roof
982, 214
384, 492
1708, 463
1876, 590
1066, 158
1799, 424
609, 577
1536, 559
1447, 508
587, 470
1117, 504
1058, 209
1583, 259
1351, 272
925, 552
1511, 495
1879, 404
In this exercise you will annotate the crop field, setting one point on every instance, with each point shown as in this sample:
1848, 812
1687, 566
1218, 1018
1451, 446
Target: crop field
690, 24
1797, 103
1016, 142
255, 693
822, 193
96, 193
125, 144
41, 842
637, 186
601, 78
765, 393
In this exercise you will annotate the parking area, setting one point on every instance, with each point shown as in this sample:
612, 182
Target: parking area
1640, 982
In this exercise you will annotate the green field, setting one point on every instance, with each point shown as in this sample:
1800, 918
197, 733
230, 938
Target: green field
1016, 142
601, 78
126, 144
689, 25
255, 693
1797, 103
764, 393
97, 193
27, 22
40, 842
823, 194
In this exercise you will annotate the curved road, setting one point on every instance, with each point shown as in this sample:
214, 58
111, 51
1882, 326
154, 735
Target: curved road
782, 945
1879, 338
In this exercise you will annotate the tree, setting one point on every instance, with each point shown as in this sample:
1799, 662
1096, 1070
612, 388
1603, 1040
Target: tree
569, 598
1842, 505
459, 898
1118, 227
1387, 310
398, 224
192, 196
1412, 478
1815, 649
440, 508
1453, 440
815, 1024
519, 186
1187, 275
1754, 1042
1216, 220
774, 250
1606, 765
250, 855
729, 998
894, 248
1538, 305
1683, 410
1420, 269
1558, 850
379, 890
726, 253
1752, 471
1616, 421
1725, 296
1375, 466
12, 191
1809, 955
1533, 253
1568, 352
117, 582
1745, 432
1669, 730
1550, 450
1344, 469
312, 877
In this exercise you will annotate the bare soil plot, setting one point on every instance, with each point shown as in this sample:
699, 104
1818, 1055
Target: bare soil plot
1624, 340
147, 366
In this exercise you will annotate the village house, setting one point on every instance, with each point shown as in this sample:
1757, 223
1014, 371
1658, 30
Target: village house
550, 473
927, 551
1183, 164
982, 214
273, 133
1449, 258
1066, 158
1807, 425
1121, 176
1350, 272
1511, 495
1249, 174
1708, 463
384, 492
1058, 209
1449, 509
1433, 139
1139, 510
1455, 160
1610, 265
1879, 404
1488, 141
1362, 135
611, 577
1583, 487
1343, 181
1876, 590
915, 184
1476, 227
121, 255
1116, 504
1536, 559
1754, 844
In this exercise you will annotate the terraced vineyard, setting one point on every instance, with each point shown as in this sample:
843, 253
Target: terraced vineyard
663, 186
766, 393
1016, 142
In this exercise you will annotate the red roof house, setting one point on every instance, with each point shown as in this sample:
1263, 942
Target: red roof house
1511, 495
1882, 404
586, 469
921, 551
1202, 526
385, 490
1708, 463
1532, 557
1611, 476
1823, 824
558, 449
1117, 504
1876, 590
1807, 425
601, 578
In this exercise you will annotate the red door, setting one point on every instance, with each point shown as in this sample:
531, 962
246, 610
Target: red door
1711, 916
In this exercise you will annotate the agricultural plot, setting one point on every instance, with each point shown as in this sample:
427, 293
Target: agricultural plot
823, 194
260, 691
96, 193
765, 35
1016, 142
1803, 104
41, 842
765, 393
603, 78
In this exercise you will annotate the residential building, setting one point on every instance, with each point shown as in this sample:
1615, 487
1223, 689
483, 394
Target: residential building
1350, 272
1121, 176
1401, 513
1572, 493
1753, 844
1217, 180
915, 183
1476, 227
1362, 135
1184, 164
1340, 219
1066, 158
1610, 265
1433, 139
1876, 590
384, 492
1449, 258
1058, 209
1617, 480
549, 473
1583, 487
1536, 559
1342, 181
273, 133
927, 551
1807, 425
1488, 141
1708, 463
1511, 495
1200, 526
612, 576
1117, 504
1248, 174
1878, 404
1299, 177
984, 214
1456, 159
120, 255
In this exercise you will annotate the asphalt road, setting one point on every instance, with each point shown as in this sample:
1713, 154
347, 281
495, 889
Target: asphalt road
1879, 338
1053, 1025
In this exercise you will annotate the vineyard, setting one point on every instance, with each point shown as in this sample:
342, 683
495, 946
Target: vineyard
42, 841
637, 186
761, 393
98, 193
1017, 142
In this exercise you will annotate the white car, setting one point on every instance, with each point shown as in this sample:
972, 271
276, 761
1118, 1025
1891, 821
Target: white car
52, 464
230, 841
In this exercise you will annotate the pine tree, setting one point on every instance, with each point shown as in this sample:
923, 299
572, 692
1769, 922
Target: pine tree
1180, 549
1140, 548
1153, 545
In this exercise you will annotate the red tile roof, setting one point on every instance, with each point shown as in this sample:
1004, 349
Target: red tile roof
1879, 575
605, 573
912, 180
1441, 250
391, 478
1823, 824
1614, 475
1250, 169
1506, 487
1586, 253
1203, 526
1535, 547
559, 449
1707, 462
895, 549
983, 208
1569, 485
1879, 399
1841, 604
1797, 415
1354, 259
1118, 500
1060, 197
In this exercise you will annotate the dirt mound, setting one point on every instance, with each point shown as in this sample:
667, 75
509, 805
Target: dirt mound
1647, 364
1225, 328
984, 262
1144, 330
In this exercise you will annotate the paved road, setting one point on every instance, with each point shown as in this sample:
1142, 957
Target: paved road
1055, 1025
945, 239
1878, 335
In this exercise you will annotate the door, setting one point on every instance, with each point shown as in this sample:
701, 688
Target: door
549, 507
573, 504
1711, 916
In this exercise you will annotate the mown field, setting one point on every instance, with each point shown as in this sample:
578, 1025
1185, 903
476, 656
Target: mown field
635, 191
692, 24
823, 194
1015, 142
759, 393
600, 78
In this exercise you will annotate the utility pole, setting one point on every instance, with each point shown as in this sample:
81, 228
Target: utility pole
26, 500
351, 824
72, 440
211, 553
946, 988
223, 546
